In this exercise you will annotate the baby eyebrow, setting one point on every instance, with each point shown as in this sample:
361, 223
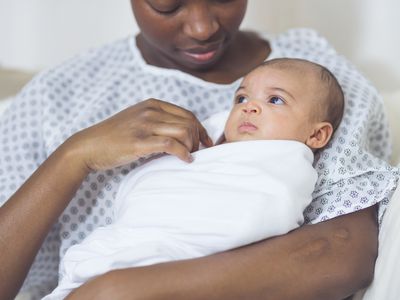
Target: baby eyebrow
284, 91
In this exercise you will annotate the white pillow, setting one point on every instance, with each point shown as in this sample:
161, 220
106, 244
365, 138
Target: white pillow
387, 269
392, 105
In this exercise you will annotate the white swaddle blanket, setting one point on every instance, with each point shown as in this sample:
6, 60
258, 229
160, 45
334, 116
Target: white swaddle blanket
231, 195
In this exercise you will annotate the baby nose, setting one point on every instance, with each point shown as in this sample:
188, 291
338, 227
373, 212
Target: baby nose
252, 107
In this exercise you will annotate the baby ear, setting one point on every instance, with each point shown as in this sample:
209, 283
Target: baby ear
320, 136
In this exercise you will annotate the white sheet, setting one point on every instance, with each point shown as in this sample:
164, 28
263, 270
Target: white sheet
231, 195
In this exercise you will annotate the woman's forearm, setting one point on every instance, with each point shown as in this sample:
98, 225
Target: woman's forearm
26, 218
330, 260
126, 136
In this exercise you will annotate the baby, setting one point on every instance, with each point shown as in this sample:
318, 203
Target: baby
254, 184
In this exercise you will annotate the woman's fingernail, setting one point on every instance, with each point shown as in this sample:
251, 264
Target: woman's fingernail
190, 158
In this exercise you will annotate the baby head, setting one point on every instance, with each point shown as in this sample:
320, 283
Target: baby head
286, 99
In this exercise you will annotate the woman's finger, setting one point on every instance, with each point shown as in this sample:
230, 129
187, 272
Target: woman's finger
203, 136
163, 144
175, 109
179, 111
185, 133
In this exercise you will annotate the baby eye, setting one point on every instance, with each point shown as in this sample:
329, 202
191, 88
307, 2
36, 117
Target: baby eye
241, 99
276, 100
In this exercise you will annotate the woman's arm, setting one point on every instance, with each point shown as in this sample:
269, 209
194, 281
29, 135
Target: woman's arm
26, 218
149, 127
329, 260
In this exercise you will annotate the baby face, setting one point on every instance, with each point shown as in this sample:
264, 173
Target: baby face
273, 103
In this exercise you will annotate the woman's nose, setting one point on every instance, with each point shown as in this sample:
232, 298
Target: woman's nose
252, 107
200, 23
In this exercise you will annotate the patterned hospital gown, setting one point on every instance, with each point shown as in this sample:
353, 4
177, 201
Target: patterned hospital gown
95, 85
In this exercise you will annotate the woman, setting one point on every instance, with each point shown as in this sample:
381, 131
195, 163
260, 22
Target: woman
86, 124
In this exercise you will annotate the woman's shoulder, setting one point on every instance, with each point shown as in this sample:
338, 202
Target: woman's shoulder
84, 70
73, 80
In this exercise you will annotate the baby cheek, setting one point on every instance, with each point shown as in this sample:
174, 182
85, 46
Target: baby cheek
299, 132
281, 131
230, 125
228, 131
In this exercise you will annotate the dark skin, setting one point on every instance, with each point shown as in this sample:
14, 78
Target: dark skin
330, 260
213, 25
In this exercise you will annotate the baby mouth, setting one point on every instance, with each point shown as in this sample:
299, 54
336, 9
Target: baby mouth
247, 127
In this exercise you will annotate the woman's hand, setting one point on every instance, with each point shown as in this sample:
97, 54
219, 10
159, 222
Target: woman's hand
149, 127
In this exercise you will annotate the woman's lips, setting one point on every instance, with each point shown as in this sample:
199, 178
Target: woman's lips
203, 54
247, 127
201, 57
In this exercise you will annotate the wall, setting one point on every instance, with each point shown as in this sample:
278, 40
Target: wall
39, 33
365, 31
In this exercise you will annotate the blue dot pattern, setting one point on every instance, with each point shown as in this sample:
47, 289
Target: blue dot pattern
91, 87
